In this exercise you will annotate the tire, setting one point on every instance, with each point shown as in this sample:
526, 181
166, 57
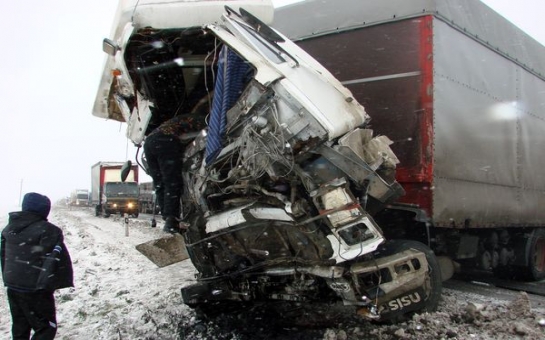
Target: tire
135, 215
433, 285
536, 255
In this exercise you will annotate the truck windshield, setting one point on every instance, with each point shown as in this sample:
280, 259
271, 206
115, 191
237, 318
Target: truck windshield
83, 196
121, 189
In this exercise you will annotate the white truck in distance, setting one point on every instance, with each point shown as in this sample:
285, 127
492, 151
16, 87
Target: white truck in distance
79, 198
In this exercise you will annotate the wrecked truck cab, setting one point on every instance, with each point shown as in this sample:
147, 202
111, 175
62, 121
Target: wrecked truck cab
139, 58
281, 187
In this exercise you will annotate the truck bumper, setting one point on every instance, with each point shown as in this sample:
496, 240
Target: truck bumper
130, 208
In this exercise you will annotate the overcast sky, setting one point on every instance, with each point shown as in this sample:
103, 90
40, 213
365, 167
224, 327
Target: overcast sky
50, 66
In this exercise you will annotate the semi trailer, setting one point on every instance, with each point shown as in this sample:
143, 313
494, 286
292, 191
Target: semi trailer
461, 92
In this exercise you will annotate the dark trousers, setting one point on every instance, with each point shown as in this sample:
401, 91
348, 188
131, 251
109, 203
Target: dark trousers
34, 311
164, 157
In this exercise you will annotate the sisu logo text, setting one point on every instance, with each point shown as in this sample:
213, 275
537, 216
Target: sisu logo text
401, 302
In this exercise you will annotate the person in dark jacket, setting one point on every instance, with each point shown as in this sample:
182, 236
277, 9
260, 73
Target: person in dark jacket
164, 148
35, 262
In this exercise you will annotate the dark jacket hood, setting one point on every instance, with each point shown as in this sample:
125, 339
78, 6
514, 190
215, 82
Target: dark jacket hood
36, 203
19, 220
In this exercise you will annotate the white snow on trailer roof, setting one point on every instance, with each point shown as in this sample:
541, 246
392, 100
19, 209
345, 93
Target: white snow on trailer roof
471, 17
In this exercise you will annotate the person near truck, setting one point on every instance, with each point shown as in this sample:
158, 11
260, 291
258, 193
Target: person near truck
35, 262
163, 149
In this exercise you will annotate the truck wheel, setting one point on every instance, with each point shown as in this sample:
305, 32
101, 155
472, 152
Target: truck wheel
536, 255
106, 213
433, 284
135, 215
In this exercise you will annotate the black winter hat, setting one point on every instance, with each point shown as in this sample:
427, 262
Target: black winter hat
37, 203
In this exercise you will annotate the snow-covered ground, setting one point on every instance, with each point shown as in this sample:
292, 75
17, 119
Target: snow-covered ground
120, 294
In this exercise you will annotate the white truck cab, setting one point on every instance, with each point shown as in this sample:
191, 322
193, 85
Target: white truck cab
130, 90
284, 180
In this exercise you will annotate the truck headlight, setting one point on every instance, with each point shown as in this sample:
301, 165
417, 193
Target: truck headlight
130, 205
115, 205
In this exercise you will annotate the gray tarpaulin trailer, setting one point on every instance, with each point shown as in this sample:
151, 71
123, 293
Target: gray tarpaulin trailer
461, 91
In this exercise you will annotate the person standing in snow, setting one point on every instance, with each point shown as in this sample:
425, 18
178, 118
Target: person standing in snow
35, 262
164, 148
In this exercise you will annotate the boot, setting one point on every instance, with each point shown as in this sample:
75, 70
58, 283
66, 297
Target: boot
171, 225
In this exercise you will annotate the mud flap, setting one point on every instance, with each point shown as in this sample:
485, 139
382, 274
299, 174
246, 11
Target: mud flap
164, 251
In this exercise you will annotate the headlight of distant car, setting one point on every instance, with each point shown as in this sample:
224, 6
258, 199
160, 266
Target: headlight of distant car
130, 205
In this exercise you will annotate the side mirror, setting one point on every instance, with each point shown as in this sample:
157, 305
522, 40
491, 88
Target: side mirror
110, 47
125, 170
